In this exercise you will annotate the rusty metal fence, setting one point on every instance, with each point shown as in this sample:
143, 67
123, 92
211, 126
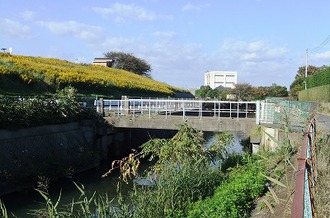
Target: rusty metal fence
303, 199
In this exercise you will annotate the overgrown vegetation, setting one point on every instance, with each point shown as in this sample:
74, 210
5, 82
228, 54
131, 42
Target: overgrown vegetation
316, 94
234, 197
182, 173
312, 80
61, 107
322, 196
21, 75
319, 79
187, 180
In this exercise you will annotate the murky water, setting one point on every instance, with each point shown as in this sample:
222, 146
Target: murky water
20, 204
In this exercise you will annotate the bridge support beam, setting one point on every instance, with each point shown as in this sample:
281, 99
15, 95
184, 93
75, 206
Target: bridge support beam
245, 125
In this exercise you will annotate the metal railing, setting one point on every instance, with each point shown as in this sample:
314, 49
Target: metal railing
303, 199
179, 107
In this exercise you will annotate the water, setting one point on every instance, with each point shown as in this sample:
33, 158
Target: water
23, 202
20, 204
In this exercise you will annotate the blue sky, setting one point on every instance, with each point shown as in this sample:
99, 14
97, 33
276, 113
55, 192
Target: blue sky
263, 40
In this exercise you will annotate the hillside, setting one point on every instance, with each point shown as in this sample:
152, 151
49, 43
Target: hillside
25, 75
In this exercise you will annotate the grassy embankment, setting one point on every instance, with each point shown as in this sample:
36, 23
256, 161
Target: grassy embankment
24, 75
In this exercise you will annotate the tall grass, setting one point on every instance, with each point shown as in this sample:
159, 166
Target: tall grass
322, 196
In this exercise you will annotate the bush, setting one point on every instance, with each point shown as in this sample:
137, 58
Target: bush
175, 189
233, 198
316, 94
61, 107
319, 79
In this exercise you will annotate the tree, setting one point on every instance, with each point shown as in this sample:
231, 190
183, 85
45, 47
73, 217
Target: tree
260, 92
243, 91
129, 62
277, 91
298, 84
205, 92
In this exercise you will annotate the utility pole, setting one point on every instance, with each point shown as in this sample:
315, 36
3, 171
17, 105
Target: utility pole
306, 68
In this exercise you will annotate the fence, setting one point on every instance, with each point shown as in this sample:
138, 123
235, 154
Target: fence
280, 111
303, 200
179, 107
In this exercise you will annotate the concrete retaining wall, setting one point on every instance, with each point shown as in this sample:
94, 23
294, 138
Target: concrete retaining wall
51, 151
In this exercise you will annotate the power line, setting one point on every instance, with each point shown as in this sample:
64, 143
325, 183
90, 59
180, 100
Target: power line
320, 46
313, 50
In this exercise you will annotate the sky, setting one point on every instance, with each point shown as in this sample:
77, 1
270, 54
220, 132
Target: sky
264, 41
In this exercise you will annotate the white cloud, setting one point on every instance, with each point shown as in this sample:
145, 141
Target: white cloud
191, 7
15, 29
322, 56
28, 15
120, 12
257, 62
253, 51
82, 31
165, 35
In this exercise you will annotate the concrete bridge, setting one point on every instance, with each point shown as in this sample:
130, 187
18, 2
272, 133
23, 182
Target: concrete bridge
205, 115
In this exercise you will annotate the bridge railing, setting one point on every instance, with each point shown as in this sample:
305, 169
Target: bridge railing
303, 199
180, 107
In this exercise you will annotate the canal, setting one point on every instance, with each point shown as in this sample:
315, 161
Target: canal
22, 203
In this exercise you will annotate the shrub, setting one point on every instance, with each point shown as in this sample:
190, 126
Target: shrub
233, 198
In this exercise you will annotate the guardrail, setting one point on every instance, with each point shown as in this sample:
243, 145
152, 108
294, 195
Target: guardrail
180, 107
303, 199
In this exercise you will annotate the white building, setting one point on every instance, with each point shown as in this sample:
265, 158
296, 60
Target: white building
214, 79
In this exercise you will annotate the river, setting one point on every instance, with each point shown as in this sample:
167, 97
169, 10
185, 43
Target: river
21, 203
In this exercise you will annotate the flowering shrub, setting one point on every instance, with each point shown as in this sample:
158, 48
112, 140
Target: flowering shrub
59, 73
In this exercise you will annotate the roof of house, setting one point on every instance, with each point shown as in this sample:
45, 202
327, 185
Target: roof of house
102, 60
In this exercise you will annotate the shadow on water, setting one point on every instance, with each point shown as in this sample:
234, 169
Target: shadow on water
21, 203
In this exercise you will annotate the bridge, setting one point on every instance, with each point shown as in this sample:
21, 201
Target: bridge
205, 115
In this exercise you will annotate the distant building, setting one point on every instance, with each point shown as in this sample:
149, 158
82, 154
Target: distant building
103, 62
226, 79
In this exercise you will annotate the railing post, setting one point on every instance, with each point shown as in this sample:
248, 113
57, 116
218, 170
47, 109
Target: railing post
230, 109
183, 111
102, 107
149, 108
237, 111
214, 109
219, 111
258, 112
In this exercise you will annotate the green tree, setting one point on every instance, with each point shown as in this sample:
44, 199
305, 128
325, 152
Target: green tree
129, 62
277, 91
260, 92
243, 91
299, 82
204, 92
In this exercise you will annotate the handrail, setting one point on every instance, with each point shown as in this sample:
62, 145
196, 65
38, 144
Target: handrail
181, 107
303, 199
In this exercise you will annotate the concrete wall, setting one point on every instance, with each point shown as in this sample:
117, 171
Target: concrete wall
270, 138
61, 150
52, 151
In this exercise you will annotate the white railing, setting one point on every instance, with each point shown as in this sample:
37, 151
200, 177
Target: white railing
180, 107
